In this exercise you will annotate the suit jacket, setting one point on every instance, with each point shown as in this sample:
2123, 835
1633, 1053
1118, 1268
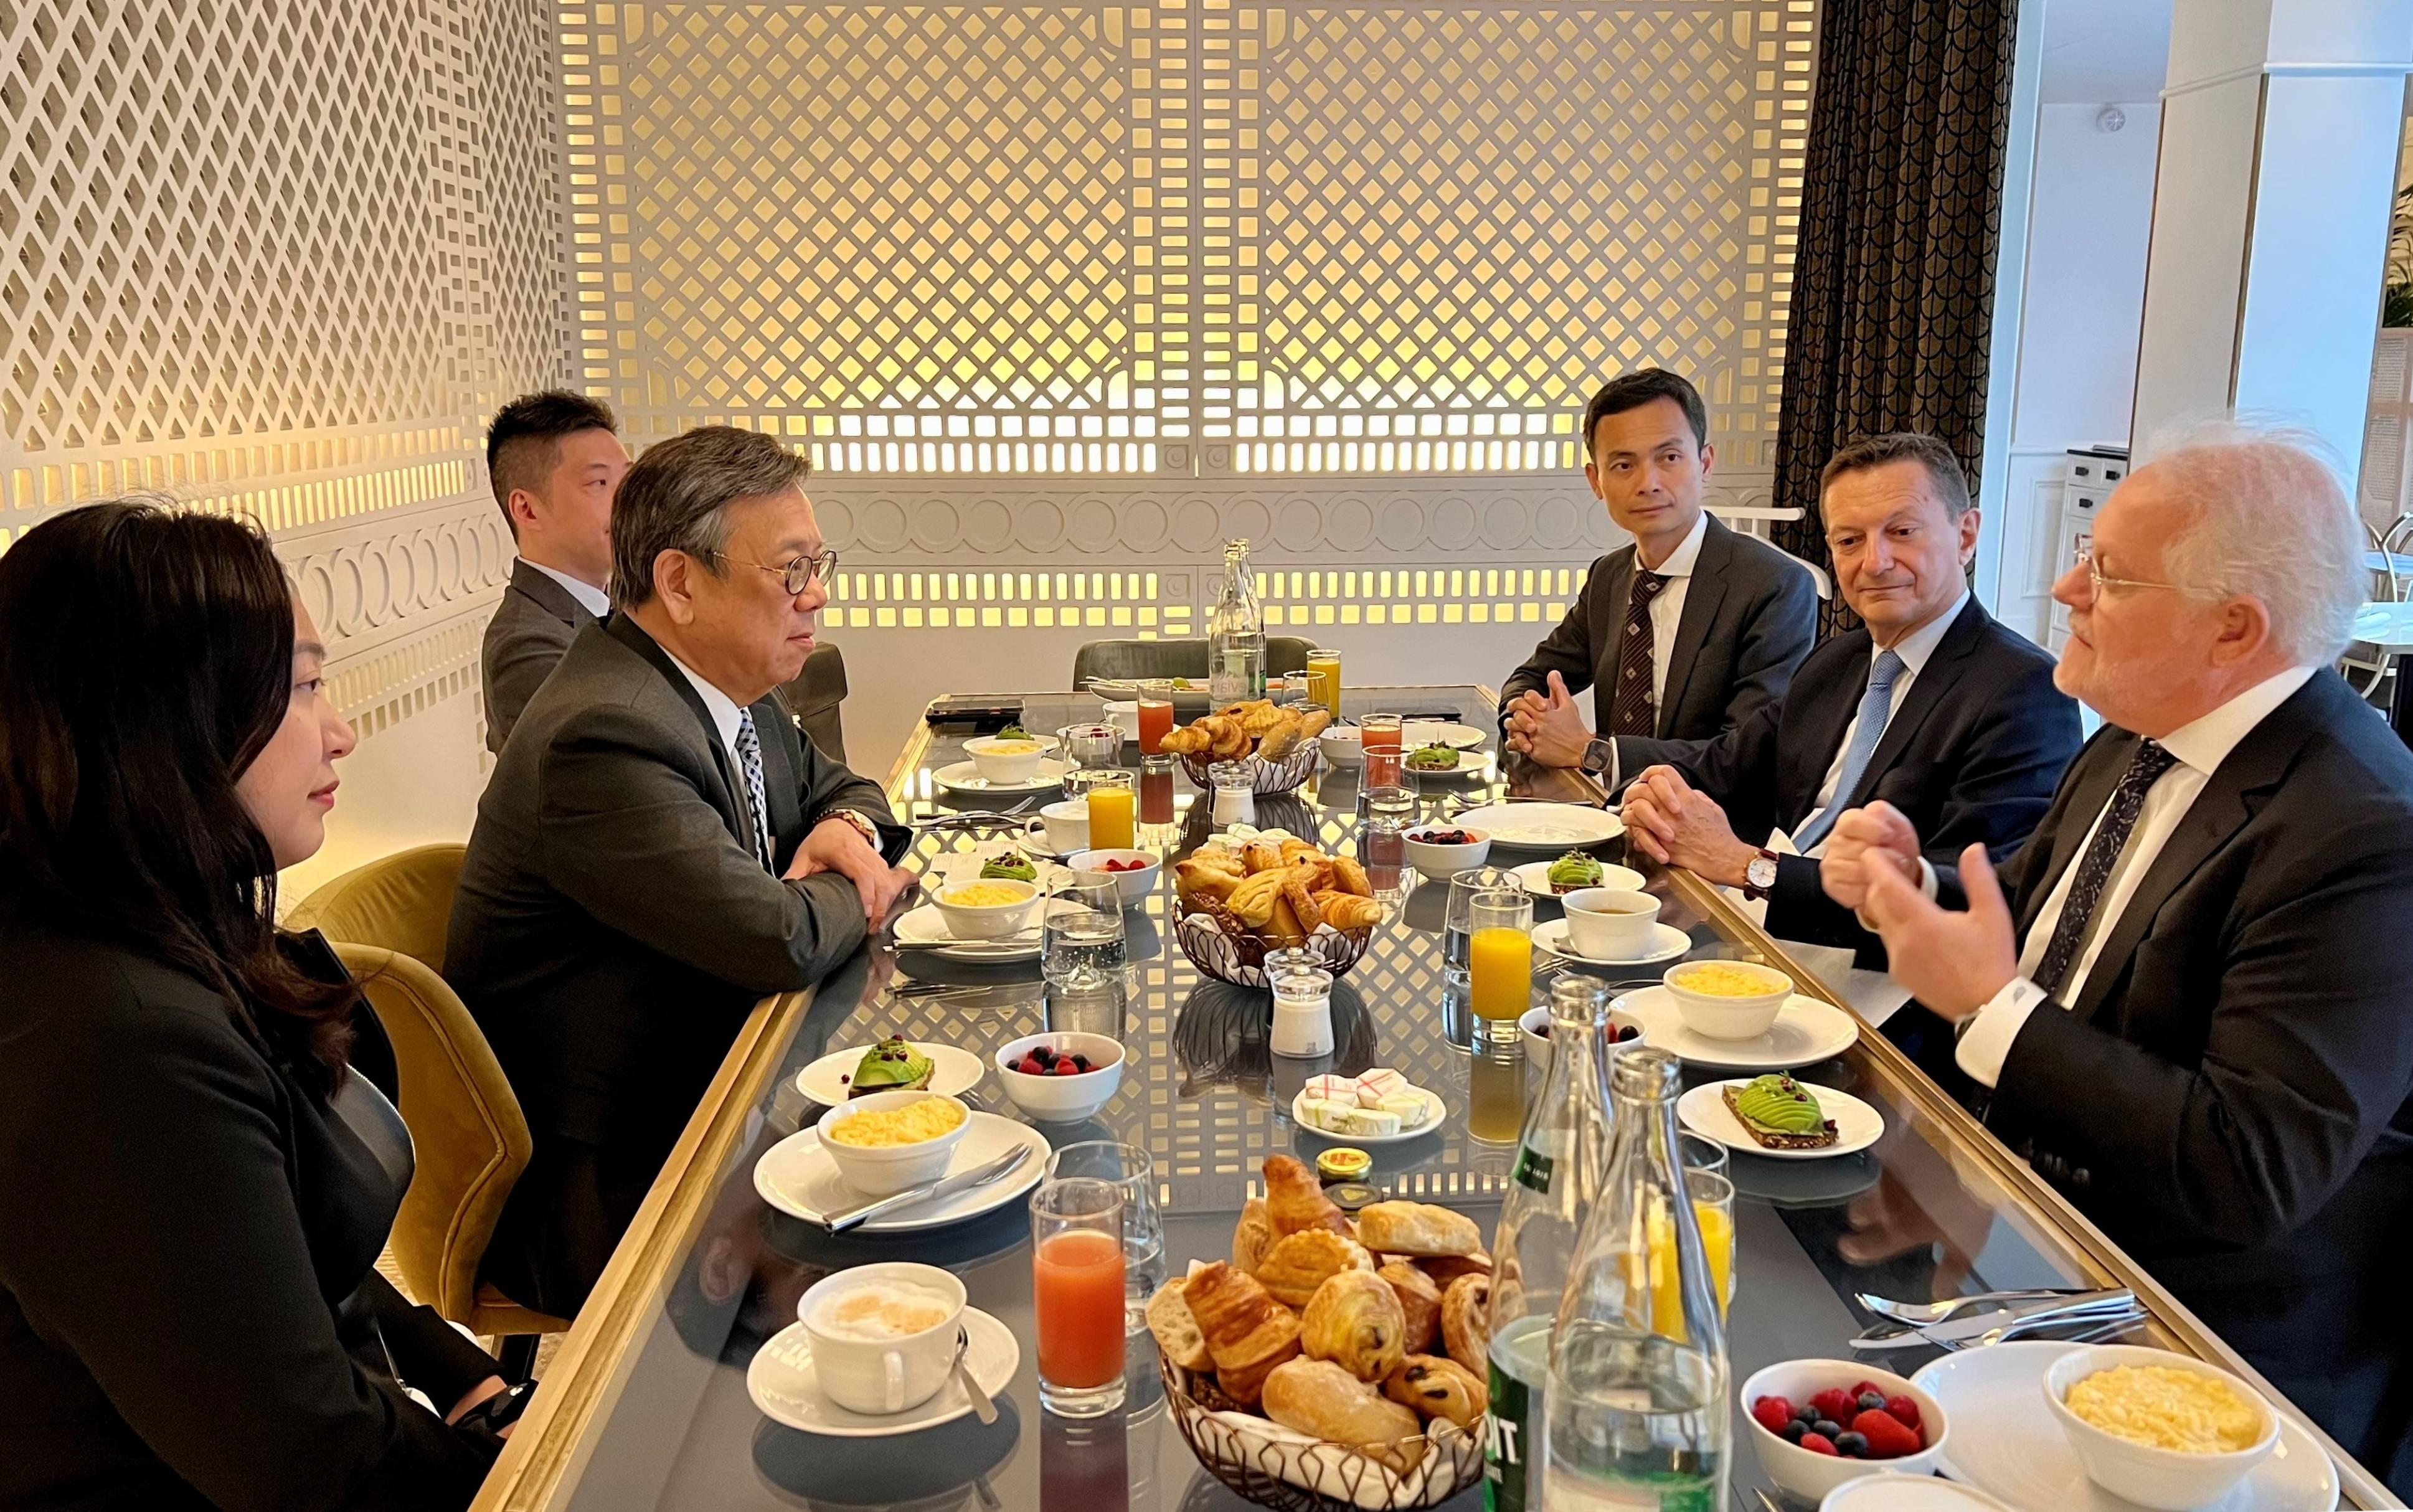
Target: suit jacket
613, 928
1971, 755
2227, 1097
532, 627
1750, 615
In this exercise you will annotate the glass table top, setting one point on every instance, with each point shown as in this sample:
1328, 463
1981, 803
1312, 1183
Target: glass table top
1924, 1213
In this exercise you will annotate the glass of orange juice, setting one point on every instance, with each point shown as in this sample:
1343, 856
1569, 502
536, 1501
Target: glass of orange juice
1114, 811
1713, 1203
1324, 680
1155, 713
1076, 1279
1499, 958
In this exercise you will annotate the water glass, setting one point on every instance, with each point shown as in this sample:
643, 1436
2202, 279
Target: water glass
1080, 946
1383, 766
1090, 745
1076, 1284
1462, 889
1128, 1167
1699, 1154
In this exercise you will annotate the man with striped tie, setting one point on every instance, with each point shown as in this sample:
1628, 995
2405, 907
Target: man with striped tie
2188, 998
1931, 707
657, 848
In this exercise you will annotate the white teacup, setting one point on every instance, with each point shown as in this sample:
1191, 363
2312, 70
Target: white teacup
883, 1336
1610, 923
1068, 826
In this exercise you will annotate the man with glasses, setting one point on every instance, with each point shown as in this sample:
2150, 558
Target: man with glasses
2188, 998
657, 848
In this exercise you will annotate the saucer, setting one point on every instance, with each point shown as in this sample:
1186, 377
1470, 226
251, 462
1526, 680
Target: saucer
1667, 943
782, 1382
1434, 1111
953, 1073
964, 777
1535, 875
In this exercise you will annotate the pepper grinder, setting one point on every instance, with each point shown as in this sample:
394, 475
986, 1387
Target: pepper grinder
1302, 1026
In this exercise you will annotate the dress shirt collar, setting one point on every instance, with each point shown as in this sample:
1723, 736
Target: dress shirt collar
722, 708
1680, 561
1917, 647
2204, 743
590, 598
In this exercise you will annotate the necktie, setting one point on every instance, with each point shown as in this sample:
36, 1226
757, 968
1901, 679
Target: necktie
750, 760
1632, 708
2095, 867
1877, 707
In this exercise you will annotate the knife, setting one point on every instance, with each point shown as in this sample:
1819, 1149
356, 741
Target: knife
945, 1187
1952, 1331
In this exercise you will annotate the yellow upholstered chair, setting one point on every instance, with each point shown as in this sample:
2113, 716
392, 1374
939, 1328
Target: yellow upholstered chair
387, 922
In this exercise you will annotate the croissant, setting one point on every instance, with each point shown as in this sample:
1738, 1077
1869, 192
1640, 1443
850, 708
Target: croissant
1256, 1234
1188, 740
1465, 1321
1247, 1384
1323, 1400
1444, 1269
1190, 879
1416, 1228
1437, 1387
1259, 717
1352, 913
1420, 1304
1355, 1320
1242, 1325
1350, 877
1301, 1262
1295, 1199
1230, 740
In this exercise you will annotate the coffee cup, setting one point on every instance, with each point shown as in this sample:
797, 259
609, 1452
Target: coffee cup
883, 1336
1610, 923
1067, 825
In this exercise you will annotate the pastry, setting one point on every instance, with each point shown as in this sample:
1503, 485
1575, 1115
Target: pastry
1295, 1200
1420, 1304
1355, 1320
1312, 722
1321, 1400
1189, 740
1465, 1321
1243, 1327
1444, 1269
1253, 1238
1281, 739
1284, 928
893, 1065
1195, 879
1437, 1387
1259, 717
1778, 1113
1302, 907
1351, 878
1261, 856
1254, 899
1301, 1262
1416, 1228
1352, 914
1246, 1386
1177, 1332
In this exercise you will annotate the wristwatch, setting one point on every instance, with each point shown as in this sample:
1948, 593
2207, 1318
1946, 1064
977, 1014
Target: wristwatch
1759, 875
1597, 755
488, 1419
863, 826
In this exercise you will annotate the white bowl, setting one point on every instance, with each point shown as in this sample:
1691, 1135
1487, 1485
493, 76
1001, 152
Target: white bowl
1009, 761
986, 921
1133, 886
1810, 1477
1340, 746
1609, 924
1714, 1017
882, 1170
1442, 862
2168, 1479
1532, 1028
1064, 1099
1067, 825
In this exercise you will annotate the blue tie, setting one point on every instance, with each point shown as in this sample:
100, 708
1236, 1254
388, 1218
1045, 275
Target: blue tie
1876, 706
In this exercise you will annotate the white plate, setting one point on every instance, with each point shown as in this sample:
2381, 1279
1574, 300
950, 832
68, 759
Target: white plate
1535, 875
1469, 763
964, 777
1705, 1112
2023, 1457
926, 926
1558, 938
781, 1382
797, 1177
1806, 1031
1542, 826
1434, 1110
953, 1071
1434, 732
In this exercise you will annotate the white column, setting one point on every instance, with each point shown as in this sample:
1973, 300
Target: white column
2278, 161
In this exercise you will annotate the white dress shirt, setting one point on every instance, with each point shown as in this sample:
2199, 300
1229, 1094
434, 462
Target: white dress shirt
2199, 747
590, 598
1666, 615
723, 709
1916, 650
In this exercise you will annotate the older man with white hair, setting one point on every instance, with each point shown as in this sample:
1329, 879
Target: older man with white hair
2190, 996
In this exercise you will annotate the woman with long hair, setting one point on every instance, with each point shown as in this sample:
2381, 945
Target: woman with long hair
197, 1168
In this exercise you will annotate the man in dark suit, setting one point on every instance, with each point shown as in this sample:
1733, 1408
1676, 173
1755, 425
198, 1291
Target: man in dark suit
2188, 998
556, 462
657, 849
1932, 705
1681, 636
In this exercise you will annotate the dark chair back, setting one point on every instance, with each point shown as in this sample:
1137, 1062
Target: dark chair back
813, 700
1173, 659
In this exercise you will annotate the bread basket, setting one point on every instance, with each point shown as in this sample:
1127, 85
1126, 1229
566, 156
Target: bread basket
1241, 962
1265, 777
1269, 1464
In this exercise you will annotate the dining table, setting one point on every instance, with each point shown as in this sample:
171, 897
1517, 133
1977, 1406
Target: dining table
647, 1407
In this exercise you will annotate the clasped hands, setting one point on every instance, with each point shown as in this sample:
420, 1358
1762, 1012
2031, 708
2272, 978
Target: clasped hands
1679, 825
1953, 962
835, 845
1547, 727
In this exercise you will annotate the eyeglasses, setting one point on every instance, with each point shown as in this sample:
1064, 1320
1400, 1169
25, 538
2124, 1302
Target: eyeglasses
794, 577
2098, 581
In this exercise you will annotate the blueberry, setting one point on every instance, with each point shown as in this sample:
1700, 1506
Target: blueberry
1872, 1401
1807, 1413
1829, 1428
1794, 1429
1851, 1446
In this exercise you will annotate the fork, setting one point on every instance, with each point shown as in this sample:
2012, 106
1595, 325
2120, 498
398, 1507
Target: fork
1916, 1315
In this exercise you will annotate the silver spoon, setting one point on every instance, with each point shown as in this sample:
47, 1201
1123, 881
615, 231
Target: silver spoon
1916, 1315
981, 1405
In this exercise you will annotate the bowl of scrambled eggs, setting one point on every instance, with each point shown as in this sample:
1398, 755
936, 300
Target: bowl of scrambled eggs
888, 1141
987, 908
1727, 1000
2160, 1429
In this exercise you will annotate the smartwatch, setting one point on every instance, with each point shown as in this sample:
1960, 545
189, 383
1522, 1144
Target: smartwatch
1759, 875
863, 826
1597, 755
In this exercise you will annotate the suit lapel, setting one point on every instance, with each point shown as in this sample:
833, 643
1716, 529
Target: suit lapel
1703, 594
2091, 779
628, 632
547, 595
1616, 592
1826, 702
1926, 691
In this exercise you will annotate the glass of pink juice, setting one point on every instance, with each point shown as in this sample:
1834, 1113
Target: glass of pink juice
1077, 1265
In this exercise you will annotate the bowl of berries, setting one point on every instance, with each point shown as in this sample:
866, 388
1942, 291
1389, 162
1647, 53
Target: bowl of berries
1817, 1423
1442, 852
1534, 1029
1060, 1077
1135, 872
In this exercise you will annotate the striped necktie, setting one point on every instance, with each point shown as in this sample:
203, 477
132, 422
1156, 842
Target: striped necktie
749, 759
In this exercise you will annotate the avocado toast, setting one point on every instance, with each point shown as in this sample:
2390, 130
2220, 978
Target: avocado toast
1779, 1114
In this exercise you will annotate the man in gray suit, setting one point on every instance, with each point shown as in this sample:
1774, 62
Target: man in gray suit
556, 463
658, 849
1681, 636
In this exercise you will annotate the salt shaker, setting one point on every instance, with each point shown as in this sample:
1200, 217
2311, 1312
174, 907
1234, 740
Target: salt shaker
1302, 1026
1235, 794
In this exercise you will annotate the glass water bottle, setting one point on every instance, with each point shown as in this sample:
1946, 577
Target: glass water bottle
1235, 634
1555, 1179
1637, 1403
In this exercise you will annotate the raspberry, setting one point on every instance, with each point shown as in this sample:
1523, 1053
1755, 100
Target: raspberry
1862, 1389
1906, 1412
1888, 1439
1836, 1403
1817, 1444
1064, 1068
1772, 1413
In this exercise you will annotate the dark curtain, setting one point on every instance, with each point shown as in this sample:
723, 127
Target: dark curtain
1893, 276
